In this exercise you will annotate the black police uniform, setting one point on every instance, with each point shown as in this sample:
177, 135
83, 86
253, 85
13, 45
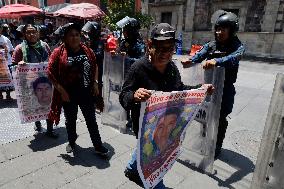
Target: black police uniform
227, 56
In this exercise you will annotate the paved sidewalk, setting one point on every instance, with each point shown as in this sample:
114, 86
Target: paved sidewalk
41, 162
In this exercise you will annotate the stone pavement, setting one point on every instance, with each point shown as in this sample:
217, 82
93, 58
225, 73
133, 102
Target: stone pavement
40, 162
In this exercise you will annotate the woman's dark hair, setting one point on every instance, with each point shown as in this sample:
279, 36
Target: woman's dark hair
29, 25
41, 80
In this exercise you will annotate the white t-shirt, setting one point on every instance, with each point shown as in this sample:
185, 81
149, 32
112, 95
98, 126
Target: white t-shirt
5, 41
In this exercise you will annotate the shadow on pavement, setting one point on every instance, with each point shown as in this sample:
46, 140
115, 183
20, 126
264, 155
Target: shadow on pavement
243, 165
41, 142
8, 103
88, 158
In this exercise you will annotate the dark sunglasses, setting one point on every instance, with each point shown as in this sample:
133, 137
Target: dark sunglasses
164, 49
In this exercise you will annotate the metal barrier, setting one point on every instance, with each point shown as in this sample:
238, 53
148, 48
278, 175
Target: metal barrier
269, 171
113, 78
201, 136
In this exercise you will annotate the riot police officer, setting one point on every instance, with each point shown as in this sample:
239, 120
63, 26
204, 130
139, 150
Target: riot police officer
92, 36
132, 44
225, 51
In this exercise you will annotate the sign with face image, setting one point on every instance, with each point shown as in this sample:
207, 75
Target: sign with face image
33, 91
163, 122
6, 82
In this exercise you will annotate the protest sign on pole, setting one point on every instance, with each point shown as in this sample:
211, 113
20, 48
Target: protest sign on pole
6, 82
164, 118
33, 91
113, 115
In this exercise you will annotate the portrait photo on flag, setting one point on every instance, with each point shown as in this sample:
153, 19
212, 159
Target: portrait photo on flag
163, 121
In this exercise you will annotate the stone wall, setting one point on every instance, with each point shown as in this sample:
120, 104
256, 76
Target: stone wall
202, 15
279, 25
258, 20
258, 44
241, 6
177, 20
254, 16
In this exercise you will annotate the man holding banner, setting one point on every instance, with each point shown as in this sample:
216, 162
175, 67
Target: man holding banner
156, 71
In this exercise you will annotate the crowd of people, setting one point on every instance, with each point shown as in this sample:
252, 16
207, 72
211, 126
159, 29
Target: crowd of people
75, 69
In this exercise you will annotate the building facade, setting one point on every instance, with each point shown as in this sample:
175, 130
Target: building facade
43, 3
261, 22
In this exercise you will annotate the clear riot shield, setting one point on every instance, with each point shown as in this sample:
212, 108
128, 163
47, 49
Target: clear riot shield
113, 77
201, 136
269, 170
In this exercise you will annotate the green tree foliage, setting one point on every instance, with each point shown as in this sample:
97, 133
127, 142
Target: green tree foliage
118, 9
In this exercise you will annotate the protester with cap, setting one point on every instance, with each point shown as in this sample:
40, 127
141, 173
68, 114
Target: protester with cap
7, 48
33, 50
225, 51
155, 71
73, 71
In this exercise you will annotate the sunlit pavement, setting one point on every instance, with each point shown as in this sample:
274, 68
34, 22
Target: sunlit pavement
32, 160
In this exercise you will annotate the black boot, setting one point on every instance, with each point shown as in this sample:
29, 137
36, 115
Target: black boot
223, 124
8, 95
50, 132
38, 127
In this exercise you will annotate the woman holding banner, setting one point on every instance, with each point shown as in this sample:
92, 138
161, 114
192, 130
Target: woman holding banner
33, 50
73, 71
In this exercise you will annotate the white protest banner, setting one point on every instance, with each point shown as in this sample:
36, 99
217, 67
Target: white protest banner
164, 118
33, 91
6, 81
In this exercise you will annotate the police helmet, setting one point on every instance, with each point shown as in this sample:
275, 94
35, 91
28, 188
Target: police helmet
93, 28
132, 26
63, 30
20, 28
228, 19
42, 29
58, 31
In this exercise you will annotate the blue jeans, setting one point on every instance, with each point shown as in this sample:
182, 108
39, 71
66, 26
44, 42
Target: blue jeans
132, 165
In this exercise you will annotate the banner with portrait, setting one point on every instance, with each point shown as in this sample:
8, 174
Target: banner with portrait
33, 91
6, 82
163, 122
